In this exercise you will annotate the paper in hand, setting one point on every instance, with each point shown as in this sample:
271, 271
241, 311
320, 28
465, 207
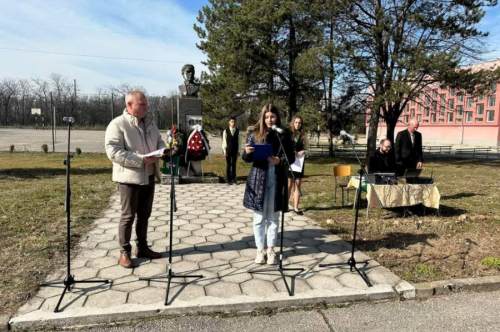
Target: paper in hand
155, 154
298, 164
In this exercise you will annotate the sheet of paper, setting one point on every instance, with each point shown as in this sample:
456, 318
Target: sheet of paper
298, 164
157, 153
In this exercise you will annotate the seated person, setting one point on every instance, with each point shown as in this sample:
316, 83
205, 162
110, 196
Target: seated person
382, 160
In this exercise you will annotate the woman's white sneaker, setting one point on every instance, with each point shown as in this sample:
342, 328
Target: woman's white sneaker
271, 257
260, 258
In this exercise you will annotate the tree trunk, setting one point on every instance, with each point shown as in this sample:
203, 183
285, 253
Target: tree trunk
372, 133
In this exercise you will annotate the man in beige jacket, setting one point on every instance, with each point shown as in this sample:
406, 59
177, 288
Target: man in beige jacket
128, 138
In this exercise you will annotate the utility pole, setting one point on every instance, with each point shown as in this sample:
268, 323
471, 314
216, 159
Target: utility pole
112, 106
52, 111
74, 104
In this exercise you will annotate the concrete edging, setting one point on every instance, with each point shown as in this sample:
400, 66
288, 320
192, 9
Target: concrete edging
118, 315
443, 287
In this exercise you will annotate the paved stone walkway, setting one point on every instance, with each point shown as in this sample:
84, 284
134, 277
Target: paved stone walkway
213, 236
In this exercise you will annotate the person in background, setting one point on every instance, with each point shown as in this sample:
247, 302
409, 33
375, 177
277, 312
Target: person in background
128, 138
266, 184
301, 149
231, 142
382, 160
408, 150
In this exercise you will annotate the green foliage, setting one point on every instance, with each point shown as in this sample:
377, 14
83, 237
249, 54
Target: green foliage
258, 52
491, 262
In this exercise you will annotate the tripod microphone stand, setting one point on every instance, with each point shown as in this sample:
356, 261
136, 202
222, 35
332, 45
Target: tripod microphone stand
69, 280
352, 261
173, 208
282, 269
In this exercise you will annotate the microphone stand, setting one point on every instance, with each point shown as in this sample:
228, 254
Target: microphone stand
352, 261
69, 280
173, 208
281, 269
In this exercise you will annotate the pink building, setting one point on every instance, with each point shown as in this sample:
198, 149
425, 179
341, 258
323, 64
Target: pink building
455, 116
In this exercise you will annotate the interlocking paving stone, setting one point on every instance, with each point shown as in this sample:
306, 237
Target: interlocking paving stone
213, 236
223, 289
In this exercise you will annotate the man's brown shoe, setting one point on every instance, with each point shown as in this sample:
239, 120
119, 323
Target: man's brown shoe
126, 261
146, 253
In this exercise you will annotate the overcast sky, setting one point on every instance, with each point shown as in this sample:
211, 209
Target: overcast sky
160, 31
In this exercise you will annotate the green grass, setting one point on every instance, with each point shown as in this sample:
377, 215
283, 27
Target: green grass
33, 220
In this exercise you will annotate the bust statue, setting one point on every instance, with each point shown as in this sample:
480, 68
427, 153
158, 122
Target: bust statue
189, 89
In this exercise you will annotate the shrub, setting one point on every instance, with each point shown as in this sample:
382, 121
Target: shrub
11, 148
78, 151
491, 262
45, 148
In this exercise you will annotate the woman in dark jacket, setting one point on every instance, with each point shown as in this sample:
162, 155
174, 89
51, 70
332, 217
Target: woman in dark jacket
267, 184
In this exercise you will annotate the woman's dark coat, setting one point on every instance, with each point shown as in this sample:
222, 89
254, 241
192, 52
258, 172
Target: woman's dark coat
257, 178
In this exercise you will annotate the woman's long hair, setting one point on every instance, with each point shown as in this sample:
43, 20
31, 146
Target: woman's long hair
261, 129
301, 130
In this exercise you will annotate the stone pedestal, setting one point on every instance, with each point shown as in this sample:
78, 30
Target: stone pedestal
188, 113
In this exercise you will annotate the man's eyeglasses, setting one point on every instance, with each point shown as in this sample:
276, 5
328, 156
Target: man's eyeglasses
387, 147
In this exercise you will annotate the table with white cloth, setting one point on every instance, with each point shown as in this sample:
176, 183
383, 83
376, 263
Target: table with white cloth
398, 195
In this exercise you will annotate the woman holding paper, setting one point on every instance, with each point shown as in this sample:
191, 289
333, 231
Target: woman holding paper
301, 149
266, 183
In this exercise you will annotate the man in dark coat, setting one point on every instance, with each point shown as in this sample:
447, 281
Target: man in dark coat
382, 160
408, 151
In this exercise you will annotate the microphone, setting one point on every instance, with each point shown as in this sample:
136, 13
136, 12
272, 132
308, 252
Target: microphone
278, 129
346, 134
69, 119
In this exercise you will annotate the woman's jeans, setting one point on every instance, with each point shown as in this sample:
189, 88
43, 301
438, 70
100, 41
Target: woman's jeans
267, 219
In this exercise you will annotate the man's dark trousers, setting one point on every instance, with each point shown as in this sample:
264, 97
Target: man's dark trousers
231, 166
135, 199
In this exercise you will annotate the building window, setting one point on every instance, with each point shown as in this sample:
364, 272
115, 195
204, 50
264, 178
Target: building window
434, 106
459, 120
468, 116
493, 87
419, 109
460, 110
490, 116
406, 118
452, 92
441, 120
479, 120
460, 97
433, 117
481, 96
479, 109
419, 117
470, 102
450, 117
443, 98
427, 111
435, 94
426, 121
412, 112
491, 101
451, 104
427, 100
442, 110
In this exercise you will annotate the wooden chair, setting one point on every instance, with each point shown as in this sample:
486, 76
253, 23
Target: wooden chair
342, 172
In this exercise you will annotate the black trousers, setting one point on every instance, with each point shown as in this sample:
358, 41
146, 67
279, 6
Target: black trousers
231, 166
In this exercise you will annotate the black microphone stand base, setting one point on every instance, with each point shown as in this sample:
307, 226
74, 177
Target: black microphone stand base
352, 264
281, 270
68, 282
171, 275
